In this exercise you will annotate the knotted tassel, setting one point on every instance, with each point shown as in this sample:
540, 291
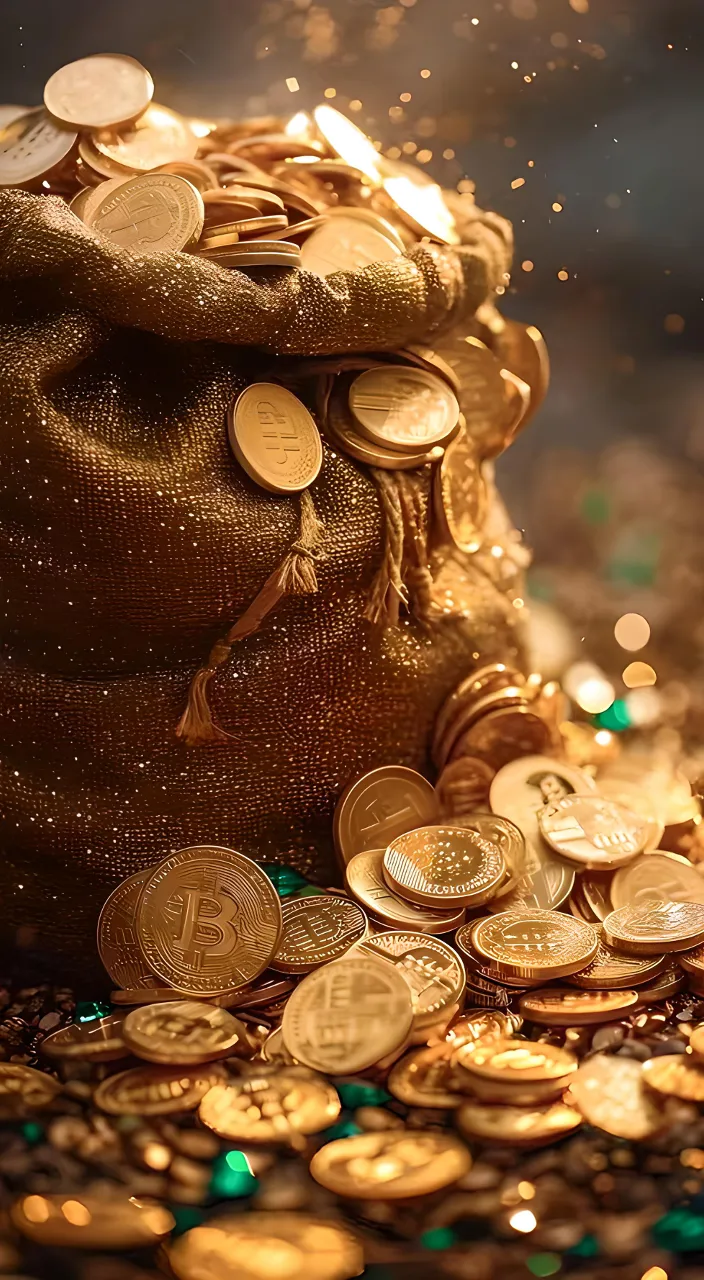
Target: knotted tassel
387, 591
295, 576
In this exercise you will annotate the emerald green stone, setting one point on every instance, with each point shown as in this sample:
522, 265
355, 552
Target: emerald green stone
681, 1230
357, 1093
91, 1010
594, 506
286, 880
32, 1132
438, 1238
185, 1216
232, 1177
616, 717
544, 1264
343, 1129
310, 891
587, 1247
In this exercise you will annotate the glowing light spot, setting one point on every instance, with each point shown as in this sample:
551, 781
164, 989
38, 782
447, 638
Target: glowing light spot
292, 84
632, 631
563, 275
674, 323
475, 23
35, 1209
448, 153
355, 105
527, 265
638, 674
526, 1190
76, 1213
330, 93
654, 1273
425, 74
556, 208
514, 65
644, 706
156, 1155
523, 1220
497, 552
602, 737
201, 128
580, 6
518, 182
595, 695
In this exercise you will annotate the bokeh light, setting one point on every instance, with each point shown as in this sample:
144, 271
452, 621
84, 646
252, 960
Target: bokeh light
632, 631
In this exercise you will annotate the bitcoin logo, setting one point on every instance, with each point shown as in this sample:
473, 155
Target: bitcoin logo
281, 437
205, 924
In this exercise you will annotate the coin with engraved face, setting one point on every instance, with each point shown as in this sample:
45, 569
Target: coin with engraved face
535, 944
444, 865
365, 880
118, 943
390, 1165
152, 213
105, 89
652, 927
523, 787
379, 806
433, 970
593, 831
316, 931
613, 970
156, 1091
274, 438
271, 1105
187, 1031
403, 407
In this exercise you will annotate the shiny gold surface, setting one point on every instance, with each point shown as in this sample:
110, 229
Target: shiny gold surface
444, 865
390, 1166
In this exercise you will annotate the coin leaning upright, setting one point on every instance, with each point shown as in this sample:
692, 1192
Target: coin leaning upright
150, 213
274, 438
381, 805
118, 943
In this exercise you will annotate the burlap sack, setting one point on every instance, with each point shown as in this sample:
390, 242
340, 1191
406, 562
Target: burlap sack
132, 541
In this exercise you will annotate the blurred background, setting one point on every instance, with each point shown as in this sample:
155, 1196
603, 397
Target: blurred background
579, 120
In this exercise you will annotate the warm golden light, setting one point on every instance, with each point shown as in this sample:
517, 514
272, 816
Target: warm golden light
76, 1213
632, 631
35, 1209
523, 1220
638, 674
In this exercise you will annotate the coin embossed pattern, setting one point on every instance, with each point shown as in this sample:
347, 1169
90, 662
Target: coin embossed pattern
275, 438
117, 937
535, 944
379, 806
593, 831
187, 1031
316, 931
451, 865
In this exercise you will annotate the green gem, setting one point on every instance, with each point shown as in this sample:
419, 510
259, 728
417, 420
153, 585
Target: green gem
185, 1217
616, 717
681, 1230
588, 1247
286, 880
594, 506
438, 1238
32, 1132
544, 1264
91, 1010
310, 891
357, 1093
343, 1129
232, 1177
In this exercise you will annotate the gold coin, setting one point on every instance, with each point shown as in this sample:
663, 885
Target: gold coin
636, 799
379, 806
562, 1007
365, 880
652, 927
184, 1031
158, 137
696, 1040
231, 232
78, 203
444, 865
693, 961
97, 1041
424, 1078
516, 1062
483, 680
478, 1024
24, 1089
254, 253
227, 198
433, 970
666, 984
612, 970
507, 837
345, 244
517, 1126
262, 1246
535, 944
522, 349
347, 141
31, 145
487, 409
152, 213
342, 213
118, 943
402, 407
523, 787
463, 787
472, 712
316, 931
503, 734
595, 887
676, 1075
509, 1092
419, 201
156, 1091
478, 968
348, 1015
610, 1092
81, 1221
270, 1106
274, 1050
144, 995
197, 172
593, 831
297, 229
105, 89
427, 357
208, 920
274, 438
656, 877
342, 436
390, 1165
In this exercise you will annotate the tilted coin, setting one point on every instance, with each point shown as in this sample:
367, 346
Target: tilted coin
254, 253
143, 995
10, 112
463, 787
517, 1126
274, 438
365, 880
208, 920
347, 141
563, 1007
517, 1062
23, 1089
259, 1246
696, 1040
595, 887
185, 1031
105, 89
348, 1015
270, 1106
81, 1221
461, 495
227, 198
342, 436
152, 213
78, 202
522, 349
471, 711
433, 970
274, 1050
546, 882
482, 973
488, 412
610, 1092
390, 1165
30, 146
118, 943
156, 1091
507, 837
503, 734
345, 244
424, 1078
316, 931
259, 224
677, 1075
508, 1091
637, 799
196, 172
693, 961
535, 944
593, 831
444, 864
419, 201
652, 927
380, 805
343, 212
665, 985
485, 679
269, 988
613, 970
97, 1041
478, 1024
158, 137
524, 786
657, 876
406, 408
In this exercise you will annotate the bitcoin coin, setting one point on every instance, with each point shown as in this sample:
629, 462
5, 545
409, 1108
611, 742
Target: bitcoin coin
24, 1090
379, 806
106, 89
270, 1106
636, 799
390, 1165
593, 831
535, 944
348, 1015
666, 984
676, 1075
611, 1095
345, 244
424, 1078
440, 865
97, 1041
508, 839
316, 931
184, 1031
652, 927
512, 1062
403, 407
118, 943
80, 1221
612, 970
208, 920
515, 1125
152, 213
156, 1091
30, 145
558, 1007
656, 877
433, 970
265, 1246
158, 137
365, 880
274, 438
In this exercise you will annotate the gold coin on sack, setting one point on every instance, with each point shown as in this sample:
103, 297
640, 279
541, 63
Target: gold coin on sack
156, 1091
403, 408
636, 798
489, 678
262, 1246
118, 943
78, 202
152, 213
270, 1106
103, 90
24, 1089
563, 1007
433, 970
185, 1031
369, 218
593, 831
535, 944
610, 1092
297, 229
347, 141
612, 970
231, 232
348, 1015
439, 865
197, 172
424, 1078
274, 438
665, 984
676, 1075
316, 931
515, 1125
517, 1062
471, 713
419, 201
208, 920
97, 1041
262, 203
158, 137
80, 1221
522, 349
651, 927
254, 253
390, 1165
345, 244
364, 878
379, 806
657, 876
342, 436
31, 145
